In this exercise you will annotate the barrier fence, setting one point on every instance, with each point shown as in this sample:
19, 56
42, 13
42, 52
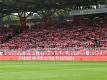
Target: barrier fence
56, 58
75, 54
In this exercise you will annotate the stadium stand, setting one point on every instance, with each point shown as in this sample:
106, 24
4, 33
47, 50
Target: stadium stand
87, 34
64, 29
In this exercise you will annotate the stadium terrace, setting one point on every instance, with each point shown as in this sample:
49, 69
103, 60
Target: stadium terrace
54, 30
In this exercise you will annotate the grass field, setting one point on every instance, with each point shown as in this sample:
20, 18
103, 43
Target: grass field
33, 70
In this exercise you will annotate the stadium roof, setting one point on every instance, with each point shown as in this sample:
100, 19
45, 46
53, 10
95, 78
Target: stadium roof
12, 6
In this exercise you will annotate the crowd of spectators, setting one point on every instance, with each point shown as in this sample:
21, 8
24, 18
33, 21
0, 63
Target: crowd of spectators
77, 33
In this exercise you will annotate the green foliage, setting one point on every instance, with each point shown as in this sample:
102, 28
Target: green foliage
5, 18
63, 12
10, 17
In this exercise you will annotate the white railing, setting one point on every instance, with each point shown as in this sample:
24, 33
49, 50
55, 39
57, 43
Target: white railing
55, 51
88, 11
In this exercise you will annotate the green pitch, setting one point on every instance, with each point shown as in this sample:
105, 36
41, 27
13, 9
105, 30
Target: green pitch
33, 70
